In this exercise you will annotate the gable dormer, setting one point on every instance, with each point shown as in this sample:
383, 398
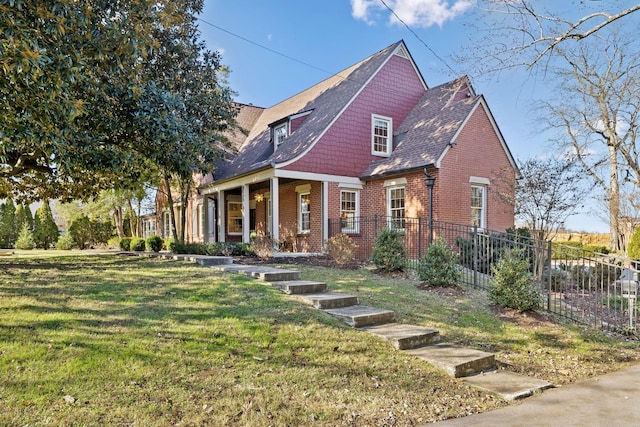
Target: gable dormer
281, 129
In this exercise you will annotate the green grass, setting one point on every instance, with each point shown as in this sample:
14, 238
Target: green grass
109, 340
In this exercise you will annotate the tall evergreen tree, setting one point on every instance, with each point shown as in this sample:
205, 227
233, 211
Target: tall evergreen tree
8, 232
23, 216
46, 231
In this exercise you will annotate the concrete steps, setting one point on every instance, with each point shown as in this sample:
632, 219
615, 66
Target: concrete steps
404, 337
475, 367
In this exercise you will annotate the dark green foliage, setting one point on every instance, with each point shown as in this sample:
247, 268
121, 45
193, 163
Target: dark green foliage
512, 285
45, 230
213, 249
125, 243
168, 244
23, 216
154, 243
439, 265
633, 250
87, 232
8, 231
491, 247
389, 253
25, 238
138, 244
65, 242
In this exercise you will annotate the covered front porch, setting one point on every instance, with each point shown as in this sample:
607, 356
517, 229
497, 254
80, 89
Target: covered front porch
290, 208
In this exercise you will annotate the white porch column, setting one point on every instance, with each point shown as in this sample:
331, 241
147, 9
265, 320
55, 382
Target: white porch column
221, 217
325, 211
245, 213
275, 209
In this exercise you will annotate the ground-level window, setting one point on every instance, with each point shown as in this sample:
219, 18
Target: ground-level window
349, 211
395, 207
234, 217
304, 213
478, 206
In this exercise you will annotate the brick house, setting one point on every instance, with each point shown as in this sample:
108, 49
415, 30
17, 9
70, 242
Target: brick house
354, 145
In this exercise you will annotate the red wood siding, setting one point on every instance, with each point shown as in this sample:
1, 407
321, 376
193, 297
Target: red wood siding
345, 149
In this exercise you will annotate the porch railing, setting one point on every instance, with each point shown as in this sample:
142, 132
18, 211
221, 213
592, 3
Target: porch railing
591, 288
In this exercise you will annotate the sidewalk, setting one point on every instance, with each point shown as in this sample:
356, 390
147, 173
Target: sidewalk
610, 400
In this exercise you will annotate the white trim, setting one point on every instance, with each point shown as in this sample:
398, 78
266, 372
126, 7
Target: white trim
246, 209
483, 208
299, 199
389, 121
284, 126
347, 105
350, 186
479, 180
398, 182
275, 208
305, 188
325, 211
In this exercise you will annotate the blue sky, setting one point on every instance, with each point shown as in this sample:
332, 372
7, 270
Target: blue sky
278, 48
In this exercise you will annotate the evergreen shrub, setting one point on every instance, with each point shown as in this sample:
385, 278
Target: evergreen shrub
439, 265
154, 243
512, 285
137, 244
388, 250
125, 244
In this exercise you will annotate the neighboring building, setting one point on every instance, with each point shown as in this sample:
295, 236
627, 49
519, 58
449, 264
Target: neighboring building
354, 145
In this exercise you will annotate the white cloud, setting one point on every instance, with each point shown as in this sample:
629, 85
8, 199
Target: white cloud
415, 13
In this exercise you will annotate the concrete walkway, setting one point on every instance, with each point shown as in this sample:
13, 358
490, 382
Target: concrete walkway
610, 400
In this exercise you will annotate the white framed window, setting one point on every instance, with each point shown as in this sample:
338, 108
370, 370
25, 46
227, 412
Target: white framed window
395, 207
279, 134
200, 220
381, 131
349, 210
234, 217
478, 206
304, 212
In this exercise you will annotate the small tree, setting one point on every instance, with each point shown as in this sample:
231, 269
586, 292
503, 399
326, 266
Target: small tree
512, 285
439, 265
388, 251
45, 231
25, 238
633, 251
8, 231
23, 216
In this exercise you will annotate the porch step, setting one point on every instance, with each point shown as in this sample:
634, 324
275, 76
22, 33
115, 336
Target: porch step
268, 274
330, 300
456, 361
297, 287
209, 260
358, 316
404, 337
509, 385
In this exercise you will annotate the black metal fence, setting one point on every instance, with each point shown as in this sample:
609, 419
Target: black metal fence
599, 290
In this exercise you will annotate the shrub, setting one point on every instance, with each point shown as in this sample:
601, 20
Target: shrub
168, 242
388, 251
512, 285
87, 232
125, 243
341, 248
137, 244
633, 250
25, 238
439, 265
154, 243
113, 243
66, 242
263, 246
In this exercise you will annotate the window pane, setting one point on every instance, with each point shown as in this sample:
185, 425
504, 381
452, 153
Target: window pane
396, 207
348, 210
380, 135
234, 217
305, 212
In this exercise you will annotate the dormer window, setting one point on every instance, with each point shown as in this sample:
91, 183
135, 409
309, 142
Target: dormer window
381, 130
279, 134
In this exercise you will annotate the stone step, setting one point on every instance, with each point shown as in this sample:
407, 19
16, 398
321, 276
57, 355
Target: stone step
359, 316
208, 261
297, 287
268, 274
456, 361
404, 337
509, 385
329, 300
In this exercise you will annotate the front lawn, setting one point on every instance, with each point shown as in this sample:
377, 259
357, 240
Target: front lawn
111, 340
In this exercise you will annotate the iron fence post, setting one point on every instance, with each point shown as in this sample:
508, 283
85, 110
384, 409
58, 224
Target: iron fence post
419, 237
548, 275
474, 239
